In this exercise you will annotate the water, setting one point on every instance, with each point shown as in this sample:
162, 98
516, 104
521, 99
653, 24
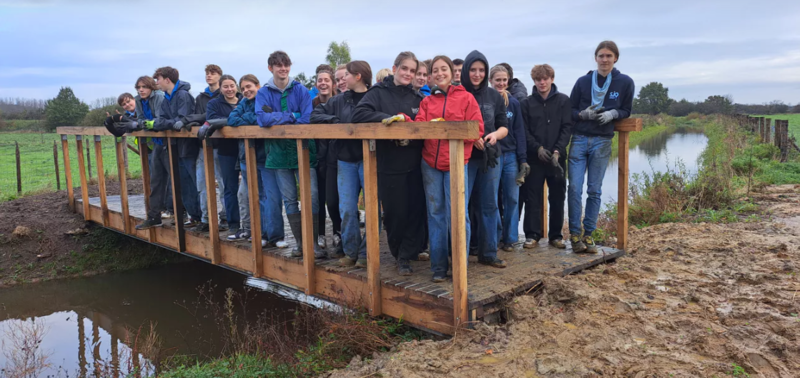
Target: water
90, 319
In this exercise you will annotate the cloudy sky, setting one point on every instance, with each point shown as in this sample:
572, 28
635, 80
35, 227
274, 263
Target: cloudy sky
749, 50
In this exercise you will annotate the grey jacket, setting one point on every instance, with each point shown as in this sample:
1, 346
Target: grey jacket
156, 97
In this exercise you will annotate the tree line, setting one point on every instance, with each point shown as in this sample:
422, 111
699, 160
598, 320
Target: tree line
654, 98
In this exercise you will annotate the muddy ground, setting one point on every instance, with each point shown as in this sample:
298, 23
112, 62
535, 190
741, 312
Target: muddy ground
699, 300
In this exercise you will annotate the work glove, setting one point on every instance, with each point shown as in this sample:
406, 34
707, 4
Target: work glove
189, 125
608, 116
590, 113
491, 153
559, 172
438, 119
402, 142
148, 125
201, 134
524, 171
177, 126
544, 154
266, 109
394, 118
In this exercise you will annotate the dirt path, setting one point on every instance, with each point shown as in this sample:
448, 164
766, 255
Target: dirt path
689, 300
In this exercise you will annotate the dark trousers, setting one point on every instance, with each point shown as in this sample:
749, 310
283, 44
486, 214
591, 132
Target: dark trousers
533, 190
230, 183
191, 202
329, 194
403, 199
159, 181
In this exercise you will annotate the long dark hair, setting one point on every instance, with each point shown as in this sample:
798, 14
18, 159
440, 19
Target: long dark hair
360, 67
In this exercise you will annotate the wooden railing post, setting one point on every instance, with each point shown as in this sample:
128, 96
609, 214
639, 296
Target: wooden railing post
84, 185
255, 209
545, 224
306, 214
768, 130
68, 172
459, 233
101, 179
145, 157
211, 202
123, 184
177, 201
372, 229
622, 194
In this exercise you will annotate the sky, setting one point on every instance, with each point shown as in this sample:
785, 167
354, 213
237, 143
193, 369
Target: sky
748, 50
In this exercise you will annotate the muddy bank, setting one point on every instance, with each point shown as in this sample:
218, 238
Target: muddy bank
689, 300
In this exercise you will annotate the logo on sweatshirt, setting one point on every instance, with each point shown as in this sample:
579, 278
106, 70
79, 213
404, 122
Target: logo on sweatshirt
509, 115
613, 95
415, 110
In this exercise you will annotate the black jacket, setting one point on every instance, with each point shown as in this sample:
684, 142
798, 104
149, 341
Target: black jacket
339, 109
382, 101
219, 108
548, 122
493, 107
175, 107
517, 89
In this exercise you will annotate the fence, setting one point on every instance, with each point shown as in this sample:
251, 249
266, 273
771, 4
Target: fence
776, 133
33, 163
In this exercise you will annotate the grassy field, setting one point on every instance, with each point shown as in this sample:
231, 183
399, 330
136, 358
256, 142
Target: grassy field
794, 122
37, 166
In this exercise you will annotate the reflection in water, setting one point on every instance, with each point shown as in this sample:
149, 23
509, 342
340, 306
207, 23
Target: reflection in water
92, 323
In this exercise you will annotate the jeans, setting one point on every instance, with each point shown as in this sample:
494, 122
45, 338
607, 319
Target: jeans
350, 181
437, 198
188, 188
201, 185
271, 209
587, 156
287, 183
508, 223
230, 180
484, 185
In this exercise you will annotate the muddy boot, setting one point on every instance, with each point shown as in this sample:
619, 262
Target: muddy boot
558, 243
577, 244
319, 252
296, 224
590, 246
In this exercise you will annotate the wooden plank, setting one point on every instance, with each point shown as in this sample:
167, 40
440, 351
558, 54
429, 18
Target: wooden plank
146, 182
177, 202
622, 194
544, 211
255, 209
372, 229
211, 201
459, 233
82, 171
123, 186
398, 130
306, 213
101, 179
628, 124
68, 172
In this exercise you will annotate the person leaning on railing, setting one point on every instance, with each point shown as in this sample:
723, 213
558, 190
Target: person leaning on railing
598, 98
446, 103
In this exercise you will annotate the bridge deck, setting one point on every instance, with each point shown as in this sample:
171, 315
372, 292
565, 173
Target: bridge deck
415, 298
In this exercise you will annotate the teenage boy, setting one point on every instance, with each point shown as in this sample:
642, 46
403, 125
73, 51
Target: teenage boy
457, 65
515, 87
177, 103
548, 126
286, 102
119, 124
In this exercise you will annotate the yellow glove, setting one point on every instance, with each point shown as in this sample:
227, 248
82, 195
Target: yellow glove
148, 125
394, 118
437, 120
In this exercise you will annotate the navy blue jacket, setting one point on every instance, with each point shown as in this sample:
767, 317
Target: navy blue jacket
245, 115
548, 123
493, 106
175, 107
219, 108
619, 97
515, 140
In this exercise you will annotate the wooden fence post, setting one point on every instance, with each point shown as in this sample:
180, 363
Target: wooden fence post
88, 161
306, 214
251, 165
177, 202
55, 162
101, 179
622, 194
372, 230
768, 130
68, 172
82, 171
459, 233
19, 171
123, 184
211, 201
545, 224
151, 233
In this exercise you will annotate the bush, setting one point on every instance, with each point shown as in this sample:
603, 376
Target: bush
96, 117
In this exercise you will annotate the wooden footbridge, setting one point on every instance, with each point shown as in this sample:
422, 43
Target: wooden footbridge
440, 307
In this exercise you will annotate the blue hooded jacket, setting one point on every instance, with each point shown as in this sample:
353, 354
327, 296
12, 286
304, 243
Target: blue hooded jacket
515, 141
245, 115
282, 153
619, 97
425, 90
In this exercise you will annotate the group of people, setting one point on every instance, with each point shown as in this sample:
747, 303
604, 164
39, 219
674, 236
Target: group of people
525, 141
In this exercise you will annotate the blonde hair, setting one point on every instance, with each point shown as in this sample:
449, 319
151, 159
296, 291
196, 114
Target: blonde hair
495, 70
382, 74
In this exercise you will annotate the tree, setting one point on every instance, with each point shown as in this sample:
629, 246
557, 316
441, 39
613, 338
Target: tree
681, 108
653, 99
338, 53
716, 105
97, 116
308, 83
65, 109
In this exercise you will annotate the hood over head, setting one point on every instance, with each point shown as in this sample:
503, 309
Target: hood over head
473, 57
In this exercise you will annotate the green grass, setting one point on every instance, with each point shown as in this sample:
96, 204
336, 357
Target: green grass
794, 122
240, 366
37, 166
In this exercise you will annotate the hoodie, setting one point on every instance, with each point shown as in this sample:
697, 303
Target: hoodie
517, 89
219, 108
339, 109
456, 105
178, 105
515, 140
493, 106
285, 103
382, 101
245, 115
548, 123
619, 97
150, 109
425, 90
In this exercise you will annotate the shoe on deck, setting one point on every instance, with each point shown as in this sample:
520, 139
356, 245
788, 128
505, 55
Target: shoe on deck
497, 263
590, 246
166, 214
223, 226
202, 227
558, 243
148, 224
321, 241
437, 277
346, 261
424, 256
337, 240
281, 244
530, 244
361, 263
190, 222
239, 235
507, 247
577, 244
404, 268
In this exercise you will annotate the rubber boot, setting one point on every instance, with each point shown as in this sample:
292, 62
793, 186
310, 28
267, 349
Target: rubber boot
296, 224
319, 253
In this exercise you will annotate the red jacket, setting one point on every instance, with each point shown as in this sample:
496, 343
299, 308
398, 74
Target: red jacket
458, 105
